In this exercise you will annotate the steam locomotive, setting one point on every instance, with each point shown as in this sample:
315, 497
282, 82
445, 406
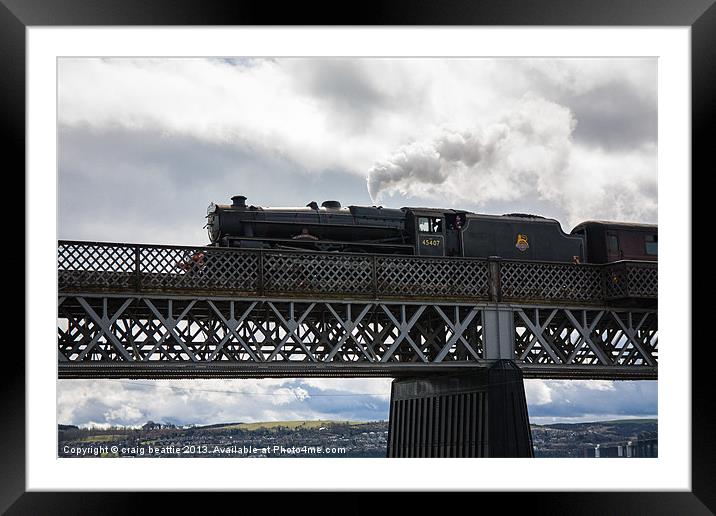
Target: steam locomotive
426, 232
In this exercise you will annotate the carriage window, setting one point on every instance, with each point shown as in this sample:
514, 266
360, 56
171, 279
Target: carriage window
613, 243
430, 225
651, 245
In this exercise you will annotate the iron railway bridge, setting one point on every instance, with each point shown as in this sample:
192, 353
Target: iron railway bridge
451, 331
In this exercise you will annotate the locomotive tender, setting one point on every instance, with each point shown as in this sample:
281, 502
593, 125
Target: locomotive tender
426, 232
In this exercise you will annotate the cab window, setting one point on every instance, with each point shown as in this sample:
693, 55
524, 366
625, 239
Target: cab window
651, 245
430, 225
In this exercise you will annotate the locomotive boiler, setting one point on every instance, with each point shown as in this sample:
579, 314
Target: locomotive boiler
425, 232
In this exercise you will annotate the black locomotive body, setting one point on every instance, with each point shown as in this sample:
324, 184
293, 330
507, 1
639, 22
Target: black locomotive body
422, 232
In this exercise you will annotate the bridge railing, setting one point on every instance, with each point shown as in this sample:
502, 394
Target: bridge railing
103, 266
552, 281
631, 280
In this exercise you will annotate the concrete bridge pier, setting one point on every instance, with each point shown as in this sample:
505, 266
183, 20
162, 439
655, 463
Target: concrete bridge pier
480, 414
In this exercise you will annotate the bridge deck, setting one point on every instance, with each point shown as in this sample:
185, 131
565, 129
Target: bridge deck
130, 311
113, 267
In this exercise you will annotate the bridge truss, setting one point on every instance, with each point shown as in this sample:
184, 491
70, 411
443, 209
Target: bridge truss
130, 311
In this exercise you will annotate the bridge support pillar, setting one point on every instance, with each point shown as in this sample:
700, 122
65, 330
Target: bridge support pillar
480, 414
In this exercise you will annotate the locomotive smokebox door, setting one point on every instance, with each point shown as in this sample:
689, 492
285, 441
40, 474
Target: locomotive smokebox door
430, 237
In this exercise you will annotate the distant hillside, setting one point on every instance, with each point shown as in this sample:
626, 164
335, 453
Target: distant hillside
573, 439
282, 425
608, 422
260, 439
345, 438
624, 427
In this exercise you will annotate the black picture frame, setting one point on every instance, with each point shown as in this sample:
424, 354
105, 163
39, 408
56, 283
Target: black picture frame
699, 15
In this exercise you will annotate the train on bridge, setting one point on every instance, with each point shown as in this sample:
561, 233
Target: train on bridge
426, 232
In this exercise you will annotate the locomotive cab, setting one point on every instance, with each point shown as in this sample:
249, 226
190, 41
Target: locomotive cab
428, 226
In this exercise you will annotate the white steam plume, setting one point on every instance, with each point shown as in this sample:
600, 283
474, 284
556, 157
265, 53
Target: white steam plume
528, 153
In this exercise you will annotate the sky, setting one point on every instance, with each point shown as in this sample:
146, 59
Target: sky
144, 145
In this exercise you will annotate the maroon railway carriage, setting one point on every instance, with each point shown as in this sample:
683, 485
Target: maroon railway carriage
613, 241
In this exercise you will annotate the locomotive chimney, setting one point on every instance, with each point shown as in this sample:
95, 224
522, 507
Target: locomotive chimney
238, 201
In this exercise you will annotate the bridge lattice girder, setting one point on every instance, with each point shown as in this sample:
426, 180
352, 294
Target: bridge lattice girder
204, 337
129, 310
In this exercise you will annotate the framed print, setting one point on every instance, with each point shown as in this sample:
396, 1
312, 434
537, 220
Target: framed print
414, 221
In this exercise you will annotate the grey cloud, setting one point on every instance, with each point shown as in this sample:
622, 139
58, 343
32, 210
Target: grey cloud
84, 401
352, 96
96, 411
145, 186
133, 403
614, 116
571, 400
237, 61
